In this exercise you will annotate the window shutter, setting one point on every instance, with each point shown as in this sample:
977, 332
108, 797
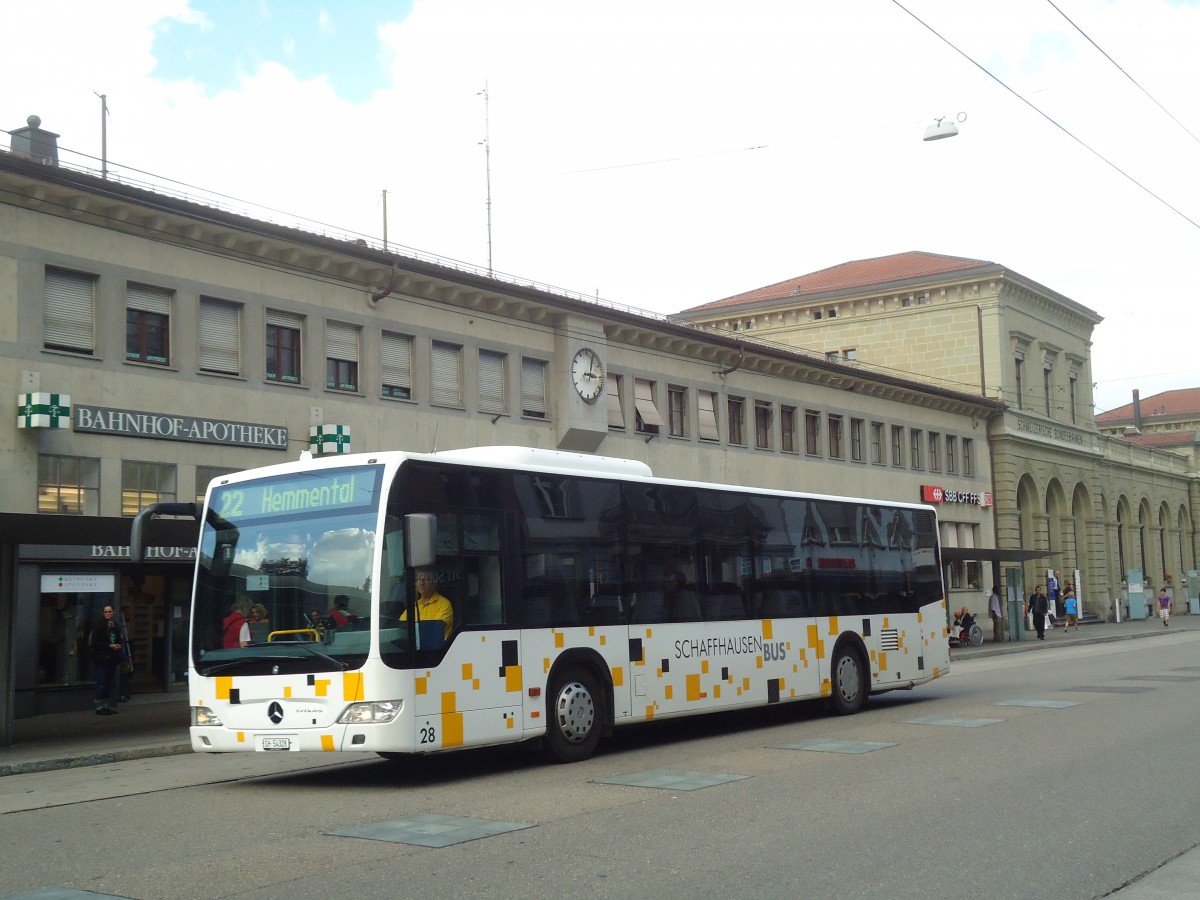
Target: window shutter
395, 357
643, 399
284, 319
220, 336
70, 311
148, 299
491, 382
446, 383
616, 416
708, 416
341, 341
533, 388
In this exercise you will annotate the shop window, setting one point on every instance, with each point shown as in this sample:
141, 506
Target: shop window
143, 483
68, 485
204, 475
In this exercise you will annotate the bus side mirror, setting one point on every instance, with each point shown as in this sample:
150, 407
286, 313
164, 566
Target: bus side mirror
420, 549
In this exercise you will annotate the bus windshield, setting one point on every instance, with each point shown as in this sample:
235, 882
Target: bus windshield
284, 577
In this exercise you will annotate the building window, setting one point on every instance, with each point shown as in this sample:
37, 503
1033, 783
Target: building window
69, 316
493, 398
220, 337
897, 445
856, 440
835, 438
616, 413
877, 443
395, 362
68, 485
445, 383
850, 354
968, 456
341, 356
1019, 366
812, 432
283, 347
533, 388
147, 324
143, 483
736, 407
1047, 382
646, 417
205, 475
951, 455
914, 445
787, 429
935, 443
764, 413
707, 416
832, 356
677, 410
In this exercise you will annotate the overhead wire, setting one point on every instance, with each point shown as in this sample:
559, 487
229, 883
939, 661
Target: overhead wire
1096, 153
1120, 69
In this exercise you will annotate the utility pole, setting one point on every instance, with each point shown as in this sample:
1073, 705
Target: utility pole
385, 220
103, 134
487, 158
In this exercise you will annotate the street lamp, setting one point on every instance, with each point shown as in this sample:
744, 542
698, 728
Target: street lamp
943, 127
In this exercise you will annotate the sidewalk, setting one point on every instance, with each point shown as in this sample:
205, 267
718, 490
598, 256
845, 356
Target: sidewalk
157, 724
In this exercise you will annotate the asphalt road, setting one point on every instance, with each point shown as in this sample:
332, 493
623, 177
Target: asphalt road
993, 800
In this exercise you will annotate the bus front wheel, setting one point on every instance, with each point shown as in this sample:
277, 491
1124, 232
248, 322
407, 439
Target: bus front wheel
575, 713
849, 678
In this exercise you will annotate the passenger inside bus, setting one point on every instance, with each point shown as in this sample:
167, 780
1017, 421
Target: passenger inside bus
431, 605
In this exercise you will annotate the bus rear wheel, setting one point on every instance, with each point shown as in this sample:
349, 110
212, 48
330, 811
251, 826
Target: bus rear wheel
849, 681
575, 712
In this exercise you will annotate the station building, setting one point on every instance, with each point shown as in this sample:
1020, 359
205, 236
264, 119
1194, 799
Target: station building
152, 342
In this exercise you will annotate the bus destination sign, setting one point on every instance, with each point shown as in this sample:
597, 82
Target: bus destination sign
333, 491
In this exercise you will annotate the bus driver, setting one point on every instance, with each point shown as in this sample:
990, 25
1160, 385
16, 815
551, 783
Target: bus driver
430, 604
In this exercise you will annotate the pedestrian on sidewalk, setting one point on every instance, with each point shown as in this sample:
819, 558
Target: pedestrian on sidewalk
1164, 606
996, 612
1039, 606
1071, 603
106, 659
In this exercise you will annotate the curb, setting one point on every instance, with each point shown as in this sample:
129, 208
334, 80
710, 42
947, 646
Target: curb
1024, 646
92, 759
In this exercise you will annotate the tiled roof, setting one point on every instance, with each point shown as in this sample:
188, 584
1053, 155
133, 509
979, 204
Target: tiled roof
856, 274
1160, 440
1182, 402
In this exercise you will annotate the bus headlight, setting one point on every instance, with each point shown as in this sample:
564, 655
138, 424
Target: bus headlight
375, 713
202, 715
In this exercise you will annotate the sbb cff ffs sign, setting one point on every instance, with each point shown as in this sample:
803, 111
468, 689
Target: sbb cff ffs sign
933, 494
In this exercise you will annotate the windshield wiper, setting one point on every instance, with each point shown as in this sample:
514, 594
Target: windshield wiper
274, 658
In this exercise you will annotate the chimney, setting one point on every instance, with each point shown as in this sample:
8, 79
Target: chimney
1137, 410
33, 142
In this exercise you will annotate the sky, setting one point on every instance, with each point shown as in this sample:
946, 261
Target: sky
662, 154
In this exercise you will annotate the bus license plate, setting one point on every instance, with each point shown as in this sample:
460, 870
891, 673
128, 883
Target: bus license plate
276, 743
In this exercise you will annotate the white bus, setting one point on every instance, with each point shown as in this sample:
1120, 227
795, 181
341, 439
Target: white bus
586, 594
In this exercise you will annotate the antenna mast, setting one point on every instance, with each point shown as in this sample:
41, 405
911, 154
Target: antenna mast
487, 158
